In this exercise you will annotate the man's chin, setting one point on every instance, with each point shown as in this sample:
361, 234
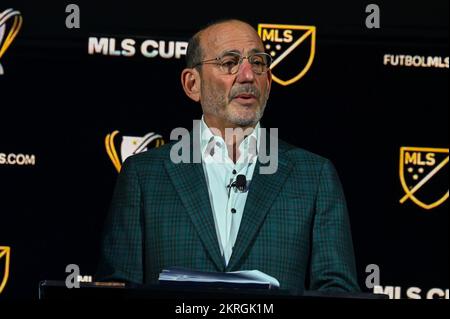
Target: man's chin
241, 120
244, 115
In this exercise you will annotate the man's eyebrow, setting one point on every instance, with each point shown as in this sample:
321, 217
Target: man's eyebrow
254, 50
230, 51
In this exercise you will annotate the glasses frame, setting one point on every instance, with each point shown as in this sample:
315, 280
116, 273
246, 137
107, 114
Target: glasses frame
218, 61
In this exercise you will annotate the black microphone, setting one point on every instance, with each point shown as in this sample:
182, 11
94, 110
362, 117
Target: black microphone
240, 183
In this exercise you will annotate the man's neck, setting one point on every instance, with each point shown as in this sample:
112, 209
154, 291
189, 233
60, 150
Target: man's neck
231, 133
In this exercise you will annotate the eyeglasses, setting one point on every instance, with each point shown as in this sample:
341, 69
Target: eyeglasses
230, 62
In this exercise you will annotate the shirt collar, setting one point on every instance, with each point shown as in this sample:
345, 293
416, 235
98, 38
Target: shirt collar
209, 142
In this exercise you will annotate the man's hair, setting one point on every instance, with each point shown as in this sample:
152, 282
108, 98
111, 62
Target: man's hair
194, 52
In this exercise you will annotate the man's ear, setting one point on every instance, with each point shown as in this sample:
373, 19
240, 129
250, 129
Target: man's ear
190, 80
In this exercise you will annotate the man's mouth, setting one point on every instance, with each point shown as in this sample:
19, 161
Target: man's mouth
245, 97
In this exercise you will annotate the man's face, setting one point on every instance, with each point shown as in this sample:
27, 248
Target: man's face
232, 100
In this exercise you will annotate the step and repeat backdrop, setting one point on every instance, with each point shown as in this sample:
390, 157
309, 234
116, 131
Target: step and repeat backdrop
84, 85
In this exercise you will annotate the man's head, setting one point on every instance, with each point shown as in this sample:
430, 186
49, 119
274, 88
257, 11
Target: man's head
233, 92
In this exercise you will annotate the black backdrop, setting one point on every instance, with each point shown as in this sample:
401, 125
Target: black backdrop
58, 103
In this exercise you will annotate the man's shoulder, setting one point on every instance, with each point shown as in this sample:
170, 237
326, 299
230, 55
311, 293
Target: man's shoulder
153, 156
300, 155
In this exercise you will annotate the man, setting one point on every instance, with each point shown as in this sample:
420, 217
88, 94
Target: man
291, 224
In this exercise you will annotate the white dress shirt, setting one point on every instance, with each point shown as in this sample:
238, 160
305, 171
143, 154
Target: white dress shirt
227, 203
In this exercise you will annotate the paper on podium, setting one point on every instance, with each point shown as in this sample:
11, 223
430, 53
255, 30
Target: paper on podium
245, 278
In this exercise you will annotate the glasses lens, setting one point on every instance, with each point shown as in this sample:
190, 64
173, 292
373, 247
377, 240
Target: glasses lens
260, 62
229, 63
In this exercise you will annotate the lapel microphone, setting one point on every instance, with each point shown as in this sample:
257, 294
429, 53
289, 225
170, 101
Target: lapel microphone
240, 183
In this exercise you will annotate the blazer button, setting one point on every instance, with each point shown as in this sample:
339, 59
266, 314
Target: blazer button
233, 210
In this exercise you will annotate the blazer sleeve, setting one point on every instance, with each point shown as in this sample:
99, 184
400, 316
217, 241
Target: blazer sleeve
121, 257
332, 255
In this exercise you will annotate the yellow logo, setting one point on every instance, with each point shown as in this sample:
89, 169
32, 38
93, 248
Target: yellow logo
281, 41
130, 145
12, 33
4, 260
418, 165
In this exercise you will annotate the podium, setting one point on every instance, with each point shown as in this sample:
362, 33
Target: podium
57, 290
168, 301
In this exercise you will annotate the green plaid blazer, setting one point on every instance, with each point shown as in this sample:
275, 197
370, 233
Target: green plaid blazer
294, 227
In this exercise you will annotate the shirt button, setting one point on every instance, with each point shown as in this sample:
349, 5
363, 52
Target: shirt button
234, 172
233, 211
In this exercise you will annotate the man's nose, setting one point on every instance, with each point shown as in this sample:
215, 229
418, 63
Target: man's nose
245, 72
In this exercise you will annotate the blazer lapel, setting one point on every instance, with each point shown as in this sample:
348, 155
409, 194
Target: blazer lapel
263, 190
189, 181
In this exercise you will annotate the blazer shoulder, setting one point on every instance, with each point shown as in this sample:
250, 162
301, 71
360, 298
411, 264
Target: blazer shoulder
150, 157
299, 155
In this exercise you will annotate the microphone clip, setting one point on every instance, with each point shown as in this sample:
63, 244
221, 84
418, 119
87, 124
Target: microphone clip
240, 183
